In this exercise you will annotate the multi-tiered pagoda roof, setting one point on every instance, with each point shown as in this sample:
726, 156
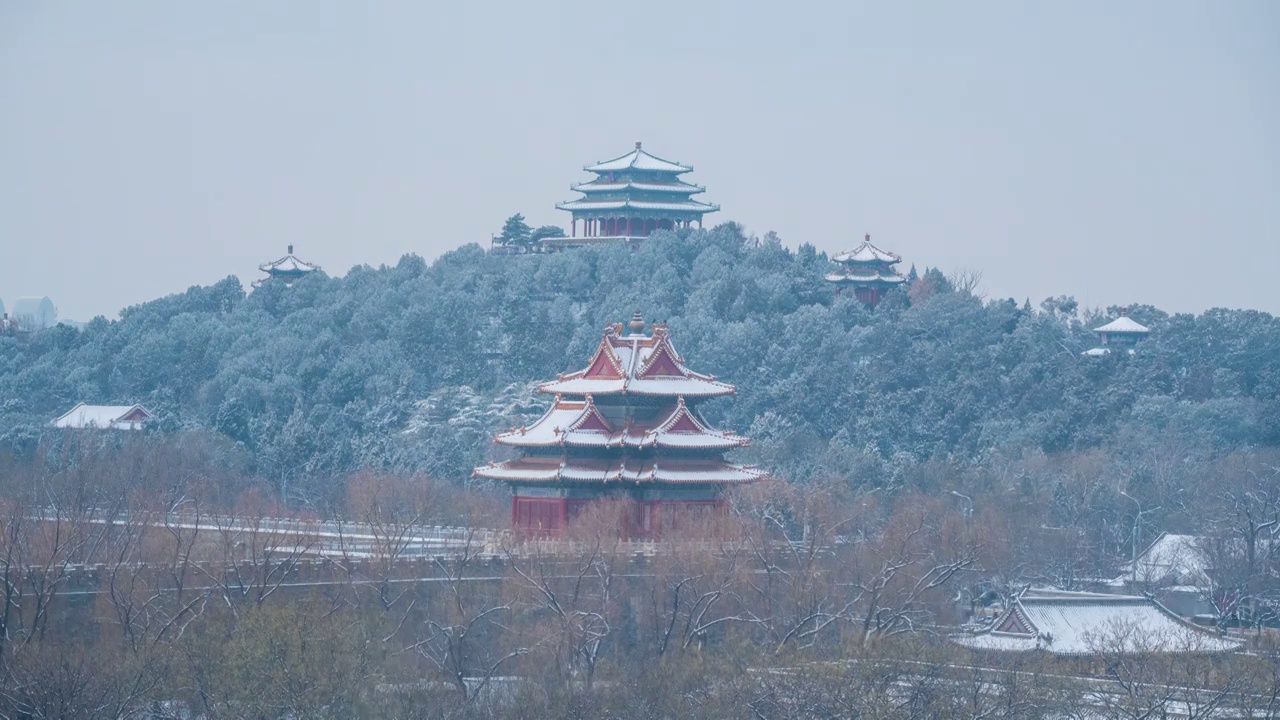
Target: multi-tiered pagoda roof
288, 269
868, 270
626, 425
630, 197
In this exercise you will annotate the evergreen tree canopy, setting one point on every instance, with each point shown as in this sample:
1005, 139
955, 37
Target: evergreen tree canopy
415, 366
515, 232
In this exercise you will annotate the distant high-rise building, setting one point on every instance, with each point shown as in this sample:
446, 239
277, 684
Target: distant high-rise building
868, 271
631, 196
33, 313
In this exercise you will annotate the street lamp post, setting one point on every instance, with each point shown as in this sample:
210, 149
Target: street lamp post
1137, 537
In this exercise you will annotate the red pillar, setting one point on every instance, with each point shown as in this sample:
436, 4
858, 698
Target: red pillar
628, 226
575, 228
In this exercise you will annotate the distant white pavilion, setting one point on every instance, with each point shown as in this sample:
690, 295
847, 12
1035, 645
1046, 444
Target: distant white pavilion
288, 269
1123, 333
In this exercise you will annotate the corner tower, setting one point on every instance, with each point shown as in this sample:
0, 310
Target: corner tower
626, 426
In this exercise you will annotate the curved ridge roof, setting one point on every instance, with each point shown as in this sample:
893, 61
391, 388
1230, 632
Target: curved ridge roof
638, 159
290, 263
866, 252
634, 358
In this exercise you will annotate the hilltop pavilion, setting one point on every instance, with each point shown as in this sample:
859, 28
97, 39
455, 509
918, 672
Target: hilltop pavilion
288, 269
868, 271
1121, 334
625, 427
630, 197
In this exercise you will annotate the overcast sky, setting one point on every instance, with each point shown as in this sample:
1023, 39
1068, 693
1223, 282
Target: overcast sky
1117, 152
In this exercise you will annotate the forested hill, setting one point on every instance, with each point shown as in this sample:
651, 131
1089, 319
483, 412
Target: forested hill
413, 367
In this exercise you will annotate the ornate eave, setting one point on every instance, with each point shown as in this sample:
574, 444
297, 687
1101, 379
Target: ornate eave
686, 206
290, 264
578, 423
866, 253
625, 471
873, 278
602, 186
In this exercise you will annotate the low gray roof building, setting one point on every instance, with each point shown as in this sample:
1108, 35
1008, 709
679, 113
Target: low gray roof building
1080, 623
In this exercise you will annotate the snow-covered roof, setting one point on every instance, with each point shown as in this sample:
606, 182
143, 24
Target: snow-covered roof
1123, 324
863, 276
1072, 623
682, 188
114, 417
579, 423
867, 253
638, 159
290, 264
637, 364
688, 205
571, 469
1174, 557
1171, 558
1097, 352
